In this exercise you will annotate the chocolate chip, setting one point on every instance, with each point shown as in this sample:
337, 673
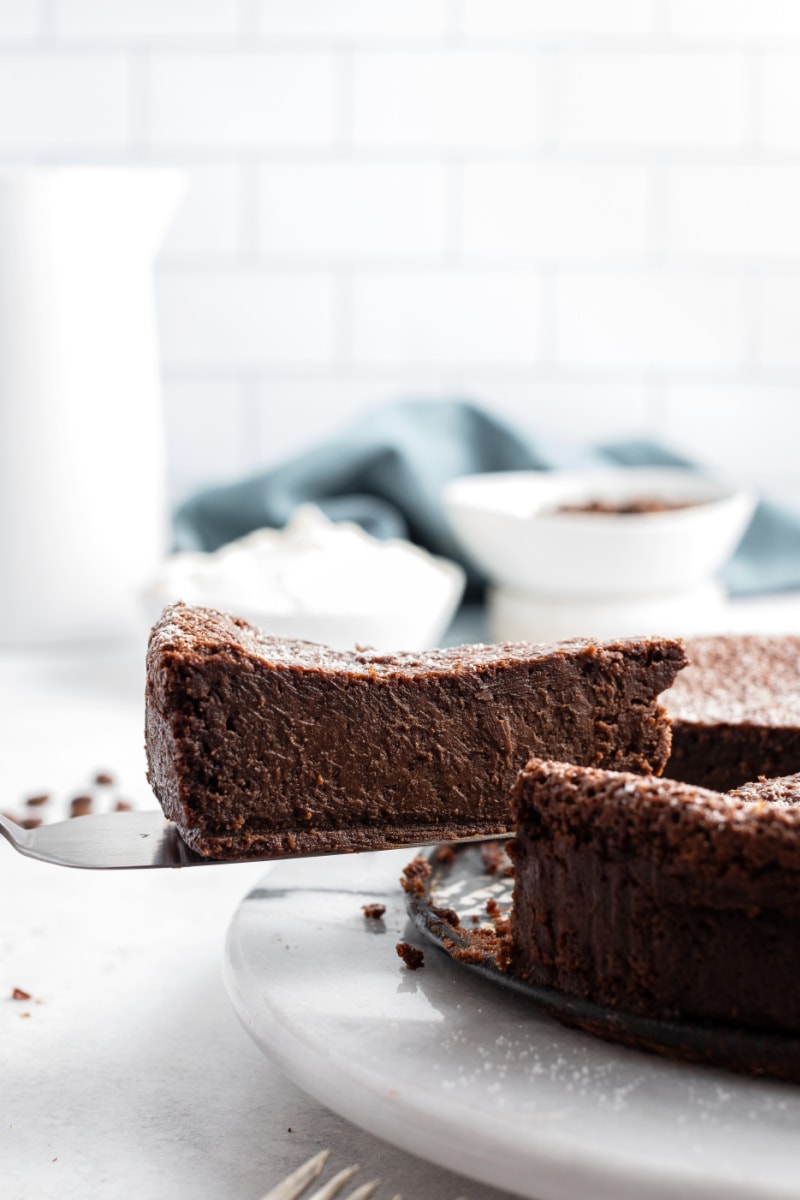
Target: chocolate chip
103, 777
81, 806
35, 801
18, 994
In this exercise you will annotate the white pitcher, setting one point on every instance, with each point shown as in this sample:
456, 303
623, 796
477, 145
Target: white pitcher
83, 520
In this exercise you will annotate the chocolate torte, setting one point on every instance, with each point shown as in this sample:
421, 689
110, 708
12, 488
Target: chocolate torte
736, 711
657, 897
260, 746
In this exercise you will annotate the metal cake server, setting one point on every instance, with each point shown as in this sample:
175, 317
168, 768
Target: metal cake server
121, 841
105, 841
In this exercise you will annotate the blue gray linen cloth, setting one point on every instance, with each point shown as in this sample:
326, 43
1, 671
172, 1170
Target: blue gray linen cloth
387, 471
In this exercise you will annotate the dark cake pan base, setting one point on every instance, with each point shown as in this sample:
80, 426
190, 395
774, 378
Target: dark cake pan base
460, 881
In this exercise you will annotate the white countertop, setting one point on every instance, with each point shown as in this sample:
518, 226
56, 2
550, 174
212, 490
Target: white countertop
130, 1075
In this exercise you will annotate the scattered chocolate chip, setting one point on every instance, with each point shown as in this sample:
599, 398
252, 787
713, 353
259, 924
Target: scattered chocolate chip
411, 955
81, 806
103, 777
373, 912
18, 994
122, 806
30, 822
492, 907
35, 801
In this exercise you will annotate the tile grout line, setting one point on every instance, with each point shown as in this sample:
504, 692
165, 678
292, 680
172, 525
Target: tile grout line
248, 218
454, 213
139, 101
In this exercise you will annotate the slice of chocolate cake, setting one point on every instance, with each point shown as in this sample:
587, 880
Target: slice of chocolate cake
736, 711
259, 746
657, 897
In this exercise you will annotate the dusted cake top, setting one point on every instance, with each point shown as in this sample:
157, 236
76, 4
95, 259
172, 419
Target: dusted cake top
739, 679
258, 744
198, 632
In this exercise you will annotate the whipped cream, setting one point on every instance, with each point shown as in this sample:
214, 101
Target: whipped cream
315, 567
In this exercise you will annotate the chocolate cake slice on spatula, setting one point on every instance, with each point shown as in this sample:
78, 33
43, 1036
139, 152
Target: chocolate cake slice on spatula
259, 747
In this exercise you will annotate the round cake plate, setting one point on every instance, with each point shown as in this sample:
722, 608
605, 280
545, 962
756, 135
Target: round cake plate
472, 1076
458, 881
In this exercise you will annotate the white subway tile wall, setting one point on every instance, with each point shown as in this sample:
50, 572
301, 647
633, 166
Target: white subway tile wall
582, 214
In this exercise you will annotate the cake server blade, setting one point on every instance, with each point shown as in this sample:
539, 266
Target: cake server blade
105, 841
129, 840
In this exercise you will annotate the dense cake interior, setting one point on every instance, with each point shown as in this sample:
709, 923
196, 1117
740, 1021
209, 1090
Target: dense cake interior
736, 711
659, 897
261, 746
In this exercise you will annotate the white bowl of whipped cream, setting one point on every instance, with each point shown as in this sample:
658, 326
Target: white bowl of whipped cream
322, 581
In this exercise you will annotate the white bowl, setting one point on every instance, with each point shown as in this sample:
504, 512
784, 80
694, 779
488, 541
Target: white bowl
321, 581
521, 617
507, 523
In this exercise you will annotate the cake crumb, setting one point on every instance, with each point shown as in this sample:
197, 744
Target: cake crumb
411, 955
448, 915
491, 857
39, 798
104, 778
19, 994
482, 944
373, 912
30, 822
80, 806
445, 853
414, 875
122, 806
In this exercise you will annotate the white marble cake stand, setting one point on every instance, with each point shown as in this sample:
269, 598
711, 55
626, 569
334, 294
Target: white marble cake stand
458, 1071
